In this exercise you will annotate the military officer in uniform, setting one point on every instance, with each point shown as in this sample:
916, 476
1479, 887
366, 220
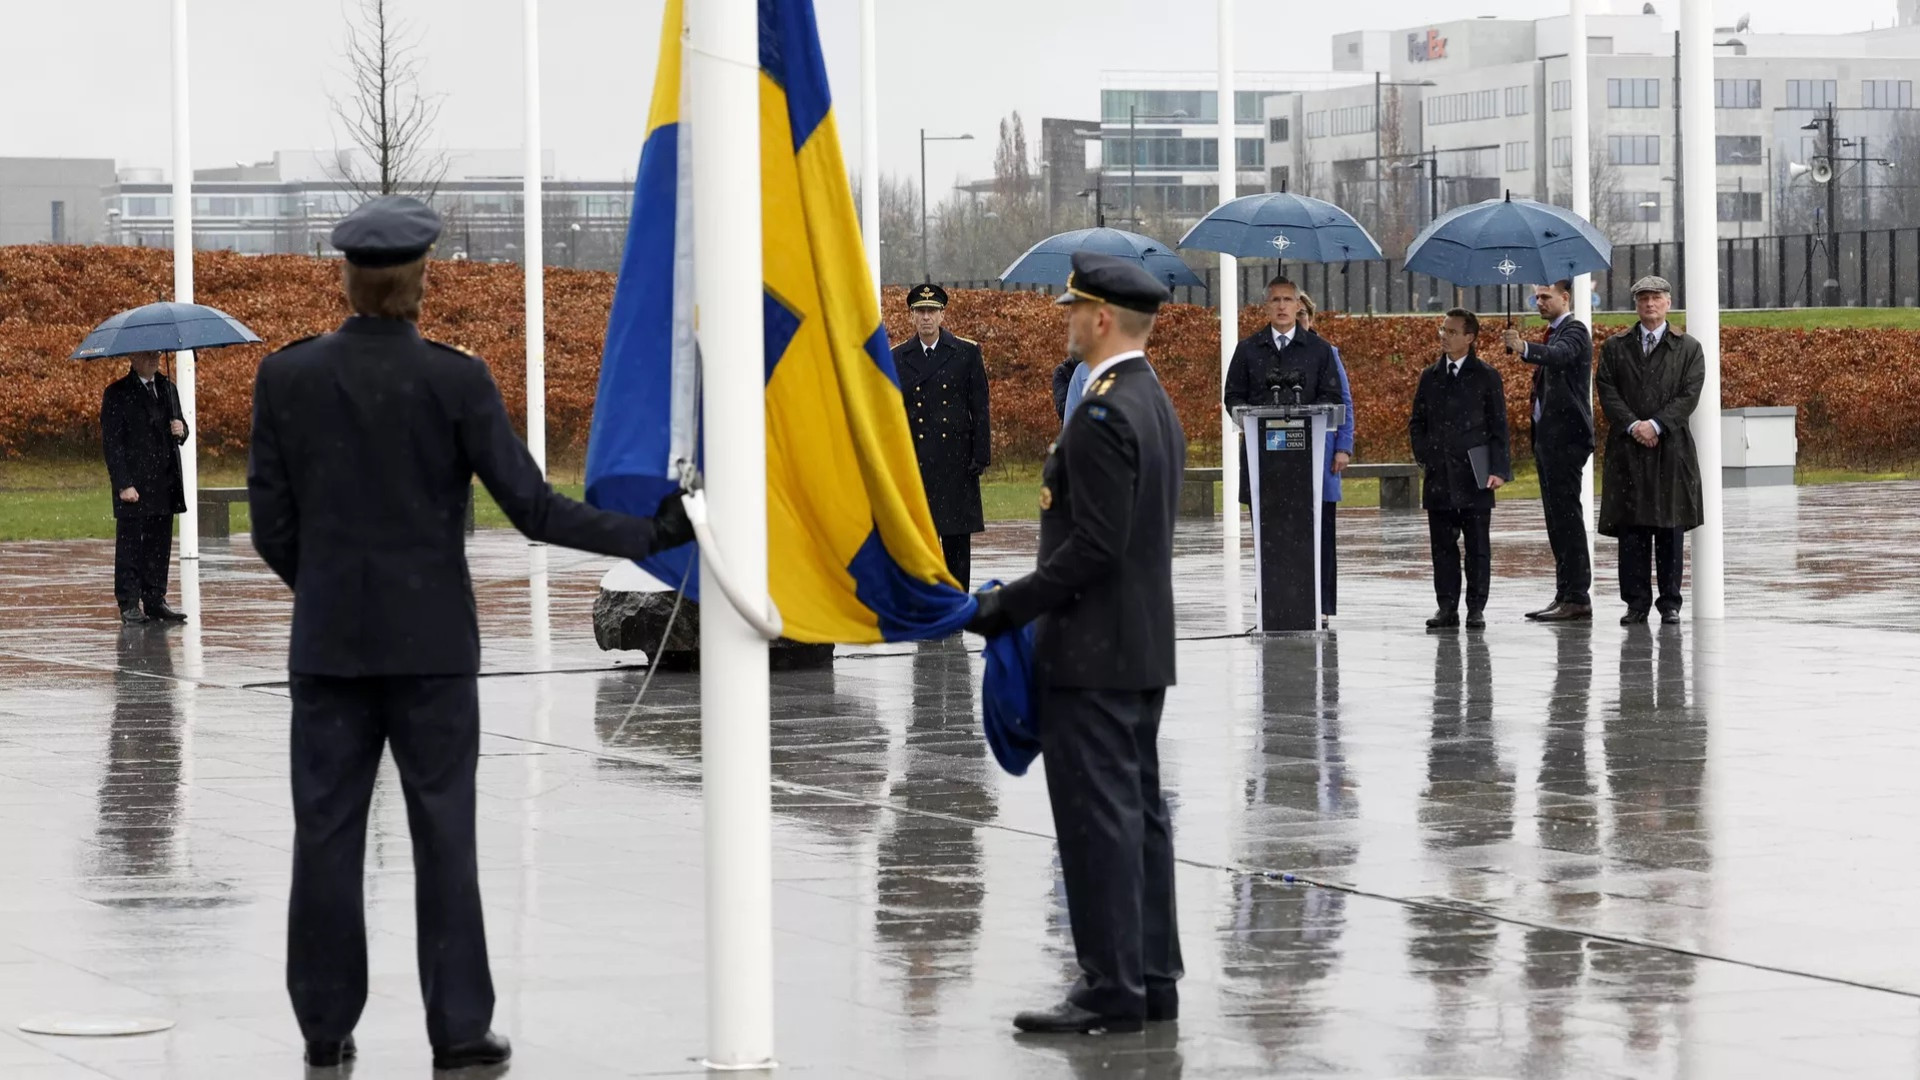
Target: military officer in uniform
1103, 654
365, 443
944, 382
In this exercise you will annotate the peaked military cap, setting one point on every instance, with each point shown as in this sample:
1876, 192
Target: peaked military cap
1111, 279
388, 231
928, 295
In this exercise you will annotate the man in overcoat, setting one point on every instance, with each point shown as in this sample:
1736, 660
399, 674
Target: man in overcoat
1458, 428
1649, 384
943, 381
141, 431
1280, 351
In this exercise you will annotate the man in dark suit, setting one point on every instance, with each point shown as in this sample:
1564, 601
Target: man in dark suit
1459, 433
1062, 380
141, 431
1562, 413
1103, 654
1280, 354
365, 443
943, 380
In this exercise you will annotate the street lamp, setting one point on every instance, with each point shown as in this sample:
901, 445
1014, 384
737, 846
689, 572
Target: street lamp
1378, 197
1654, 205
926, 265
573, 253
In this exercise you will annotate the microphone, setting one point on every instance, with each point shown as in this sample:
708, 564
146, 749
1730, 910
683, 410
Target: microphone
1292, 380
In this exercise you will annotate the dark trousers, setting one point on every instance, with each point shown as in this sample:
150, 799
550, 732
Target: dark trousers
1566, 525
339, 727
1642, 550
958, 549
1444, 529
1101, 749
142, 548
1329, 571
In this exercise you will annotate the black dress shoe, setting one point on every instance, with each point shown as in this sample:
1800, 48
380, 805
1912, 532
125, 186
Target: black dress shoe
1633, 617
1444, 620
327, 1054
130, 613
1067, 1018
159, 610
1669, 618
1476, 620
1162, 1008
488, 1049
1567, 613
1544, 610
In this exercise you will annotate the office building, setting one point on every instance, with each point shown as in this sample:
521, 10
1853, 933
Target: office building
53, 200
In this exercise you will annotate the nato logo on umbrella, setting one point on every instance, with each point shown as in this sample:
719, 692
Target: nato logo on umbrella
1506, 267
1281, 242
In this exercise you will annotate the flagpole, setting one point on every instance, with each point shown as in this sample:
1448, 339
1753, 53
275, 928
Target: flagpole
1580, 165
183, 284
533, 248
1702, 268
723, 62
870, 137
1229, 295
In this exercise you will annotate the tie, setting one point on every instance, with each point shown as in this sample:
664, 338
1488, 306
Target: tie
1647, 345
1453, 369
152, 390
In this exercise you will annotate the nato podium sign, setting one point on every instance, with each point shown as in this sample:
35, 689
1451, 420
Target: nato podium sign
1287, 465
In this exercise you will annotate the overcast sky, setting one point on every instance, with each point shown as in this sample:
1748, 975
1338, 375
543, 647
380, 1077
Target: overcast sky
93, 78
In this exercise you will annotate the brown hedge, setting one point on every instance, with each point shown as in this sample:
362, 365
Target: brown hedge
1858, 390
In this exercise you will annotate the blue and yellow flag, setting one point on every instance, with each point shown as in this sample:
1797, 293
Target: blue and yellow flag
853, 555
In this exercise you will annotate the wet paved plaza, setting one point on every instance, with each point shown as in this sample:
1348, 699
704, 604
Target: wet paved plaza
1580, 851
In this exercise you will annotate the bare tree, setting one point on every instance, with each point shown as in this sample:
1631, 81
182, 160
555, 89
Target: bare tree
1900, 200
1611, 214
387, 119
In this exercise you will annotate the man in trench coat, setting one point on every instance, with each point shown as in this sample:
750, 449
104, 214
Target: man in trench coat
1649, 383
943, 381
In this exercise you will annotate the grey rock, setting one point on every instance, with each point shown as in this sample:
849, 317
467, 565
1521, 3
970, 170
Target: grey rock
646, 621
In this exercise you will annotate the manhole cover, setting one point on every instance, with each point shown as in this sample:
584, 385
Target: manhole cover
94, 1026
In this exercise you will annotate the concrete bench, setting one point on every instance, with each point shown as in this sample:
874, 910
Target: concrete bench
1399, 484
1196, 492
216, 511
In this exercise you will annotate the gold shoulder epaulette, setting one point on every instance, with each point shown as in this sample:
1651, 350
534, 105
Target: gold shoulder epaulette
968, 340
1105, 384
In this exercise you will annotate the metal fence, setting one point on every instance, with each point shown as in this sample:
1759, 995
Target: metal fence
1871, 268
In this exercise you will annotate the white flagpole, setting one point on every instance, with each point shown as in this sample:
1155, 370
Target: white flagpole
533, 245
1581, 168
1703, 295
723, 60
1229, 297
183, 284
870, 136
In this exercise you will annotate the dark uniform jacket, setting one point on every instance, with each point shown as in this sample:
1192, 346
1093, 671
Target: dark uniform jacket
1563, 368
946, 399
1657, 487
1451, 415
1103, 592
1062, 382
1256, 361
365, 443
141, 452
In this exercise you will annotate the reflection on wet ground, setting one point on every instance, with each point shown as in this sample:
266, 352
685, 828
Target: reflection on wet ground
1580, 851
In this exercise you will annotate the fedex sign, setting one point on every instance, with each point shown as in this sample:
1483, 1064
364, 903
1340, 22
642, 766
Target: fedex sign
1424, 47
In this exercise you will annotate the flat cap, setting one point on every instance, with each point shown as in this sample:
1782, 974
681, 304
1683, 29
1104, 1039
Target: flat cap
388, 231
928, 296
1652, 283
1111, 279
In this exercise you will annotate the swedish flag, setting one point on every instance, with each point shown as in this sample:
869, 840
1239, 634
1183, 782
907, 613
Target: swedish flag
853, 556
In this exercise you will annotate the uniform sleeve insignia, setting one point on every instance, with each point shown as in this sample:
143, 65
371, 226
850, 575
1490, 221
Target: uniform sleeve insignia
1098, 412
1046, 498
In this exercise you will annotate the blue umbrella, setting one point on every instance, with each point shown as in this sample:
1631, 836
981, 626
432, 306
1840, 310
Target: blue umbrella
1508, 241
1051, 260
1280, 225
164, 327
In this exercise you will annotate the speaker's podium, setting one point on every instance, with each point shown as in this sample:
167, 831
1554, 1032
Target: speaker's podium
1286, 470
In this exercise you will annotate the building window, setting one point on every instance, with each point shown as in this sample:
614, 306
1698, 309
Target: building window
1562, 93
1633, 149
1519, 156
1736, 93
1316, 125
1277, 129
1738, 205
1162, 151
1519, 100
1633, 93
1562, 150
1460, 108
59, 222
1736, 149
1352, 120
1277, 178
1886, 94
1197, 105
1249, 153
1637, 206
1809, 93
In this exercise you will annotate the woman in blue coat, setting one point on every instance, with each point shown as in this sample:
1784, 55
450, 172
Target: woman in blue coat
1339, 453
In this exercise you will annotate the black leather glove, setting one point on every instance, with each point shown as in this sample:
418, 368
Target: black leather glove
670, 525
991, 619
